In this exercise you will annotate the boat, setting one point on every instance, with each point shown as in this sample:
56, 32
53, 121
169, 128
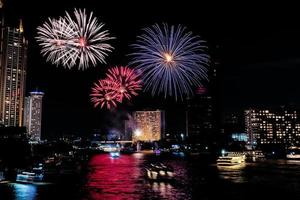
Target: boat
255, 155
293, 153
34, 176
115, 154
159, 172
231, 159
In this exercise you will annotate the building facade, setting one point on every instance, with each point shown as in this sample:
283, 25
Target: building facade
202, 109
33, 115
150, 125
272, 127
200, 118
13, 63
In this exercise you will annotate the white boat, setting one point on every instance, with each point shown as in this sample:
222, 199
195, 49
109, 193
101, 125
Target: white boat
231, 159
159, 172
293, 153
36, 175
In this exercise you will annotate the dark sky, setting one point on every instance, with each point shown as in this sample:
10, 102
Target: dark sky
259, 51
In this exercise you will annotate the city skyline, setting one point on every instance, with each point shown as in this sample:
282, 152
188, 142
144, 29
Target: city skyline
148, 100
245, 51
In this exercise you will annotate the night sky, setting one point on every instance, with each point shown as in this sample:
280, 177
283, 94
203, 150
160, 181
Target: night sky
258, 48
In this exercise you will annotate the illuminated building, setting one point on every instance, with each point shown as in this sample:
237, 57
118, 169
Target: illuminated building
272, 127
150, 125
33, 115
13, 58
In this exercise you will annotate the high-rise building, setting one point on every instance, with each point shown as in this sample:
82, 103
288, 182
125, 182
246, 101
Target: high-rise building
201, 111
272, 127
33, 115
13, 59
199, 118
150, 125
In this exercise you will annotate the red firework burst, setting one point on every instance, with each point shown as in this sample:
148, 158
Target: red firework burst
127, 81
104, 94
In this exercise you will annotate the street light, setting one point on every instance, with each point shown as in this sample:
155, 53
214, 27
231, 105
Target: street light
223, 152
182, 136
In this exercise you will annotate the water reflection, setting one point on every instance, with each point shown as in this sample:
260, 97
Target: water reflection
234, 173
24, 191
113, 178
124, 178
166, 190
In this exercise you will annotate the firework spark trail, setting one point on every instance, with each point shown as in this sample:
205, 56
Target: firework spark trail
172, 60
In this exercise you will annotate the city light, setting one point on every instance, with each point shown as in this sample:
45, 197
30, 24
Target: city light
182, 136
137, 132
223, 152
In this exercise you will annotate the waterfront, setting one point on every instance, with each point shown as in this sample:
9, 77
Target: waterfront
123, 178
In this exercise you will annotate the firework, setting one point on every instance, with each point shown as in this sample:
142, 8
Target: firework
77, 39
104, 94
91, 41
127, 80
54, 36
172, 60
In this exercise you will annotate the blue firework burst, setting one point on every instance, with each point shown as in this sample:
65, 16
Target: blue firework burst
171, 59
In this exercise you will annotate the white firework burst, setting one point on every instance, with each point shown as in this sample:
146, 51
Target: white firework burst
77, 39
53, 38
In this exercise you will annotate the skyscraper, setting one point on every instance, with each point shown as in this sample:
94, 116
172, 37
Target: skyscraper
13, 63
150, 125
199, 118
201, 111
33, 115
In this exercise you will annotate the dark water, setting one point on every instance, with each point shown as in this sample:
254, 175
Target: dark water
123, 178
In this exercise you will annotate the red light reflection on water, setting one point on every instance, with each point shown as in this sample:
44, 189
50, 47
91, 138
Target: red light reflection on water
114, 179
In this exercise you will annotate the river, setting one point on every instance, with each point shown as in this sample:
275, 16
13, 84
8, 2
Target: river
123, 178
